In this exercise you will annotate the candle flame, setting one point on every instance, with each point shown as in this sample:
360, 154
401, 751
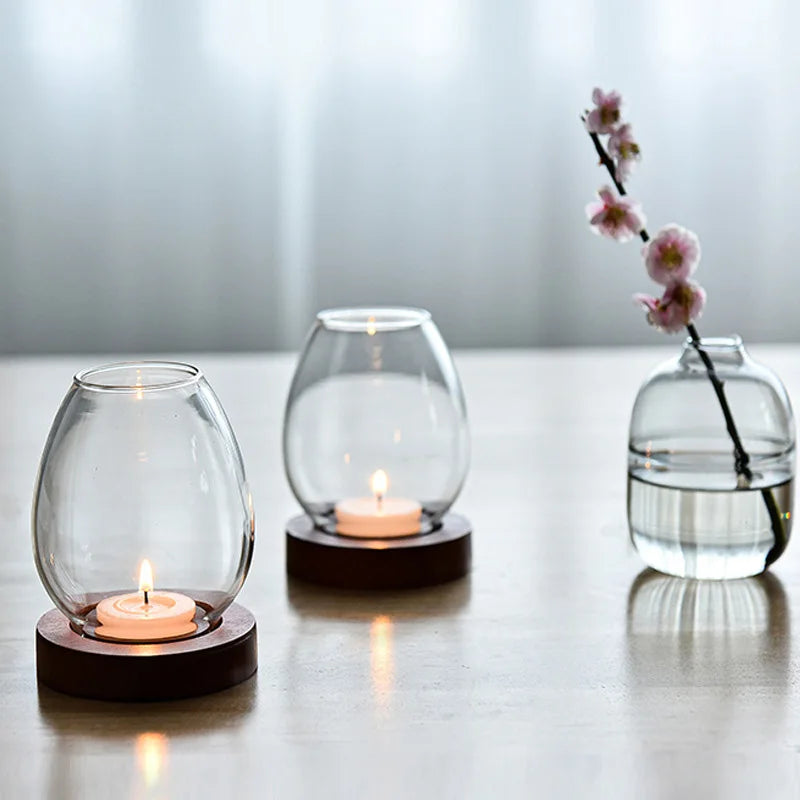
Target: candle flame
145, 577
371, 326
379, 483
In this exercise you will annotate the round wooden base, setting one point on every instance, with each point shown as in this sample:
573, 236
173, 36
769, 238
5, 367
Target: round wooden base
105, 670
406, 563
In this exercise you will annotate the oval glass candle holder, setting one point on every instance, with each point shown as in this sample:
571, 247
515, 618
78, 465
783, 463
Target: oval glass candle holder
375, 440
143, 522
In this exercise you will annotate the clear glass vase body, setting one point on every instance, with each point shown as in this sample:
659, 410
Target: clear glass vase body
141, 463
375, 393
691, 513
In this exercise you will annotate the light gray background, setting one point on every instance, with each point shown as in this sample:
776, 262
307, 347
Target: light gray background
204, 175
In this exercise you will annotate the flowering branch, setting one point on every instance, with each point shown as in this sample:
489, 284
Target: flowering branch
741, 457
605, 160
671, 257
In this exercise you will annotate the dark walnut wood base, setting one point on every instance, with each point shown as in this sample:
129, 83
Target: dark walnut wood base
404, 563
104, 670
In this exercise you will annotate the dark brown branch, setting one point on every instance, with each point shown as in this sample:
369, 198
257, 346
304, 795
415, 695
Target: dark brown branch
742, 459
606, 161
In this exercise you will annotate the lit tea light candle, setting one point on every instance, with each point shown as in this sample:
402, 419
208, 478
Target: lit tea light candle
146, 615
378, 517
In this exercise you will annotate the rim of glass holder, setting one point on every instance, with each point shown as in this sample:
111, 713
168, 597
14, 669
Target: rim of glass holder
373, 319
175, 375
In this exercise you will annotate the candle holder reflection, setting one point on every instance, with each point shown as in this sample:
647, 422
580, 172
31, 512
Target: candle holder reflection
308, 601
356, 615
379, 637
376, 449
142, 468
79, 730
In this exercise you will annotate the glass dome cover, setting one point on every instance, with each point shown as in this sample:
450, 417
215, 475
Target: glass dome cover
142, 509
375, 441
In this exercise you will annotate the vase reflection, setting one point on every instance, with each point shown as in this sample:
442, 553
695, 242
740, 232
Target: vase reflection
716, 632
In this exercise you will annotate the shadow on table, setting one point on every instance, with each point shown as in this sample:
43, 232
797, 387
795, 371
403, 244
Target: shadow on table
712, 632
97, 719
310, 600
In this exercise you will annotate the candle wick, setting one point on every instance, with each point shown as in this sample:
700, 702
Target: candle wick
379, 498
146, 598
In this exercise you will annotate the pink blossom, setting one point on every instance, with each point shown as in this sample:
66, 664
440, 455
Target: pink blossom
615, 217
671, 255
625, 150
681, 304
603, 118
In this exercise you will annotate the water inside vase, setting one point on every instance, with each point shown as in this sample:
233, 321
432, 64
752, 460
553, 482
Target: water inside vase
698, 524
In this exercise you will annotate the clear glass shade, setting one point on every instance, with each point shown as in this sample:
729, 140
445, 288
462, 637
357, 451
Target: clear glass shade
691, 509
142, 486
375, 434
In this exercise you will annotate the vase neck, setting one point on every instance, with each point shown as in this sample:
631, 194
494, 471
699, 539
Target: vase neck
721, 349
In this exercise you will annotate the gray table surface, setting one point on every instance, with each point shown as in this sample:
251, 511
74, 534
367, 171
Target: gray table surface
559, 668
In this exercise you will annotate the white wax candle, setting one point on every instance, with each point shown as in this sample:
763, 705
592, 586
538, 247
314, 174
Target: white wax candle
378, 517
146, 615
165, 615
360, 516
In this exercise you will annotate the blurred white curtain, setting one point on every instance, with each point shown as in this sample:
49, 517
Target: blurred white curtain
193, 175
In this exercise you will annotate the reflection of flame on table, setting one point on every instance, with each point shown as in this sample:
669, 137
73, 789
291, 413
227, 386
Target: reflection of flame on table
381, 661
151, 754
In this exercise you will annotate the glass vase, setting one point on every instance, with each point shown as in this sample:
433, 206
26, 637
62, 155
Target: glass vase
375, 437
142, 510
698, 505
